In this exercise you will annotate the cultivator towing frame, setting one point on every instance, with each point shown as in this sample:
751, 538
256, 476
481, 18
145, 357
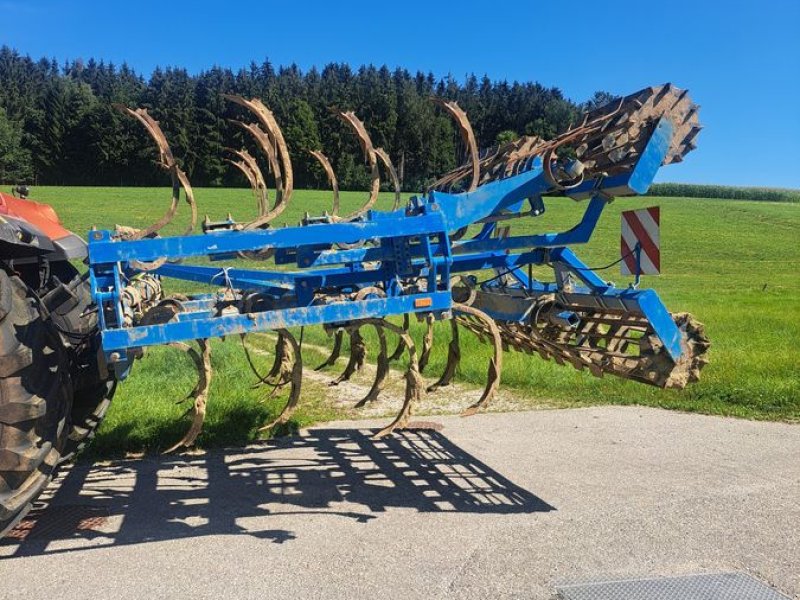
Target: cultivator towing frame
344, 273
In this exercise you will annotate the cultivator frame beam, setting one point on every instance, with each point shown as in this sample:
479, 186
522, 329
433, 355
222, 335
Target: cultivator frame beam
431, 255
353, 271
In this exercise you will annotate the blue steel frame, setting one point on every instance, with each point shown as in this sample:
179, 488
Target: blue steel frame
410, 244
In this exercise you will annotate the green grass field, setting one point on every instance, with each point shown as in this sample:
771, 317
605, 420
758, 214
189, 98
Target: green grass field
734, 264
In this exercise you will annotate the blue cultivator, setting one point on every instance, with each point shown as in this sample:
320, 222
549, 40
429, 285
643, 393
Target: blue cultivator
347, 272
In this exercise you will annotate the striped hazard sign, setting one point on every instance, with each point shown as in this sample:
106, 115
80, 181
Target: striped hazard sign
640, 236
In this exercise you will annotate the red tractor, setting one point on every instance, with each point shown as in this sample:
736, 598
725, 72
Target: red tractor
53, 389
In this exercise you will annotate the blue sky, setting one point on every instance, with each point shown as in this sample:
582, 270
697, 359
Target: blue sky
740, 59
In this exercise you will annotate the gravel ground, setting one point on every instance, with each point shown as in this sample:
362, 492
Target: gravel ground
494, 506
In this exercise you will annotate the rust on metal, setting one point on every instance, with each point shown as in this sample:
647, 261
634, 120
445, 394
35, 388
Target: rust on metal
268, 122
453, 359
398, 351
358, 354
467, 135
326, 165
381, 371
249, 167
166, 160
295, 380
336, 351
470, 313
268, 150
199, 395
427, 342
625, 350
387, 163
608, 140
415, 387
369, 155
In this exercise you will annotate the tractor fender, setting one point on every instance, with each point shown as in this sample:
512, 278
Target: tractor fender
29, 228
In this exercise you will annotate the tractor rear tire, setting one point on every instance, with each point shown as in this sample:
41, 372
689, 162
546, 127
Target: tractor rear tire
94, 386
35, 399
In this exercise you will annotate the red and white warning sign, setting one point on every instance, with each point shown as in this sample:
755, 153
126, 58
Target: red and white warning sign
641, 227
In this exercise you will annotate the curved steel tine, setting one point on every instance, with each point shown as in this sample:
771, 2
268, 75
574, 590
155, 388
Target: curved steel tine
371, 157
268, 149
262, 379
295, 380
495, 364
335, 352
382, 369
453, 359
282, 366
260, 189
199, 393
467, 134
398, 351
415, 387
387, 163
280, 351
267, 120
256, 179
249, 175
261, 182
165, 158
358, 353
167, 161
427, 342
326, 165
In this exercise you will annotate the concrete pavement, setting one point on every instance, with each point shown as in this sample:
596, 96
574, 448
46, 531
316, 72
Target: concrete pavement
494, 506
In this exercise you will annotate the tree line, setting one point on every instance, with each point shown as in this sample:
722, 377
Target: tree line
58, 127
725, 192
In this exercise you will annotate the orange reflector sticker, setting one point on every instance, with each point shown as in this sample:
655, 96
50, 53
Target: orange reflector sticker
423, 302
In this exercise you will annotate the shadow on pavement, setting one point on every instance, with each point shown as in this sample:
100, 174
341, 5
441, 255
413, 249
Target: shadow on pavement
336, 472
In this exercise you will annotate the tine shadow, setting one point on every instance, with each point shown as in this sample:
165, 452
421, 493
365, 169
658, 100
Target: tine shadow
337, 472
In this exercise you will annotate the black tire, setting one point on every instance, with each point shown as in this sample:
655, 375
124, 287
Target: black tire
35, 400
89, 410
94, 386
